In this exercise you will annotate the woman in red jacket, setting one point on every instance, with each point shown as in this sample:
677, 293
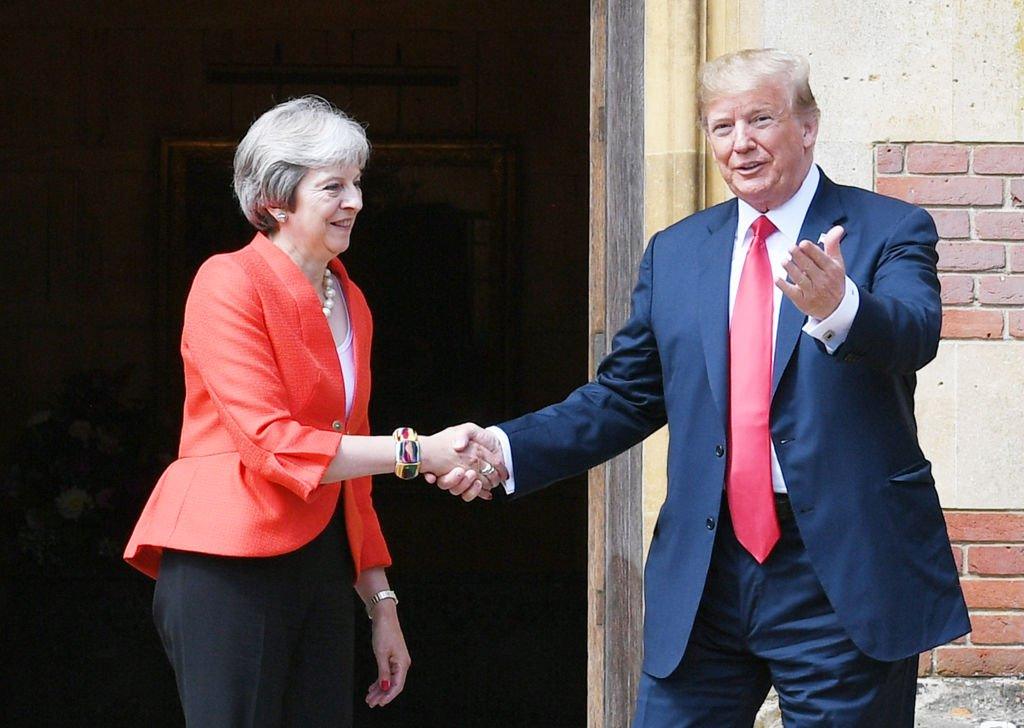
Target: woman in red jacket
256, 532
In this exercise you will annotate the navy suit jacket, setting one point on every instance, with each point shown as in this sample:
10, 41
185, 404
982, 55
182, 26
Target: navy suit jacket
843, 425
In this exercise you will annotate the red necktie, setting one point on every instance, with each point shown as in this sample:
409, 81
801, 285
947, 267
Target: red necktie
748, 480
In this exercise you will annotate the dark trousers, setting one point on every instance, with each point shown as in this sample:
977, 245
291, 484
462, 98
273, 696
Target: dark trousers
260, 641
768, 624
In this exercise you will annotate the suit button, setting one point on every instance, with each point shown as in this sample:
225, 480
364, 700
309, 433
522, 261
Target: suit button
336, 425
719, 451
710, 523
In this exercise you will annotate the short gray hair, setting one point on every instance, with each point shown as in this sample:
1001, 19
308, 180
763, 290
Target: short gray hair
283, 145
745, 70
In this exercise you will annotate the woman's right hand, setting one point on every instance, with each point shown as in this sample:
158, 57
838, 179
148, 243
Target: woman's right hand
463, 451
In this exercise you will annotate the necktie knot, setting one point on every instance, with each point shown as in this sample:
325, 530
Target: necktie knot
763, 227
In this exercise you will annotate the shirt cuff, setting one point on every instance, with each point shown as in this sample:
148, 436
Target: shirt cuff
833, 330
506, 455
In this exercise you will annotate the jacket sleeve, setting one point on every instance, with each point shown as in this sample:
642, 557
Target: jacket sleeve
623, 404
226, 339
899, 318
368, 547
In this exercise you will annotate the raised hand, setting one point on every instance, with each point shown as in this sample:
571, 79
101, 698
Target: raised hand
465, 460
818, 276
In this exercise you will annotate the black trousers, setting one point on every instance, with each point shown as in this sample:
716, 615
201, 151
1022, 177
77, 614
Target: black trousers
261, 642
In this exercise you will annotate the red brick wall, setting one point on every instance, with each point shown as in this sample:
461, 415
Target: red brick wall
975, 192
989, 550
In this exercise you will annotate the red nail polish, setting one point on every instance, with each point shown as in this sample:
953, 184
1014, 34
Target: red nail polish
385, 685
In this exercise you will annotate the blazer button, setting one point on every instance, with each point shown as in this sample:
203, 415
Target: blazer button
710, 523
336, 425
719, 451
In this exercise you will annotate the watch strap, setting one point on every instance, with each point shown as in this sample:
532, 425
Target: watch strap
378, 598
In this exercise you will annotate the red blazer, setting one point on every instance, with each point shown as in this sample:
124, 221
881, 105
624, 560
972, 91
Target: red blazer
264, 414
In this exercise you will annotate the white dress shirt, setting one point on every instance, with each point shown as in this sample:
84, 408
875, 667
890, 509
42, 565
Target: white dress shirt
788, 218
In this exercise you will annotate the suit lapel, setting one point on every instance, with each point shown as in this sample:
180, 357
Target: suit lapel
824, 212
315, 331
714, 259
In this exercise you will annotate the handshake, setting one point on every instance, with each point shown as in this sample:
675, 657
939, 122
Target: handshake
465, 460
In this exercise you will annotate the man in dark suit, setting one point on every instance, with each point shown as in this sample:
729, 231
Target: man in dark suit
801, 543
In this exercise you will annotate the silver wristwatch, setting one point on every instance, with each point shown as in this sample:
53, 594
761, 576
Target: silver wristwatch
378, 598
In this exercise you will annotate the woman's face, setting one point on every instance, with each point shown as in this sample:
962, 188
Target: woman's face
327, 201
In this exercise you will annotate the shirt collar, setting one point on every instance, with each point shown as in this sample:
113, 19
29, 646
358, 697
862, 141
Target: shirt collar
788, 217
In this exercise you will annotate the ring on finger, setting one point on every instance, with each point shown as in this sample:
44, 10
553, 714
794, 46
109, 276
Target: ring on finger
487, 469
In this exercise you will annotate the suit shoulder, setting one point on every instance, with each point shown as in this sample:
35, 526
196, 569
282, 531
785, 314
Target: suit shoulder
222, 281
699, 223
891, 207
222, 269
882, 217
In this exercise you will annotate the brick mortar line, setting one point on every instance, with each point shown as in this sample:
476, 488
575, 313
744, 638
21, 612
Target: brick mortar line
956, 175
1004, 271
960, 142
992, 577
1000, 241
991, 543
979, 306
985, 511
986, 306
1007, 177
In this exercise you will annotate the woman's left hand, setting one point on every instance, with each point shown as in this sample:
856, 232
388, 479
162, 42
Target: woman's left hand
392, 655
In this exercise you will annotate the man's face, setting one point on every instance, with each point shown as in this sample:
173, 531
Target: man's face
763, 149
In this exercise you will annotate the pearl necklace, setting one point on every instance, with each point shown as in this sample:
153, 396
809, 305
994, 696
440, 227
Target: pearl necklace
328, 294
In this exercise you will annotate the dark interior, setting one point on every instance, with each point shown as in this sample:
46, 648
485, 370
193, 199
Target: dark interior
119, 121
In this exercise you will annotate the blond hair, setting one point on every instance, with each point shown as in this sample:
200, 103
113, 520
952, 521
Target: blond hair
748, 69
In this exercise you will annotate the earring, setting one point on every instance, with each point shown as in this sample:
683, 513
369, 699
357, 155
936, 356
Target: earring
281, 216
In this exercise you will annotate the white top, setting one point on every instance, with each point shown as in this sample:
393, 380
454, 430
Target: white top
788, 218
346, 353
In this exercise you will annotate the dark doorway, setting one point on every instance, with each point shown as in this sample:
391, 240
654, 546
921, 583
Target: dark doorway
478, 181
